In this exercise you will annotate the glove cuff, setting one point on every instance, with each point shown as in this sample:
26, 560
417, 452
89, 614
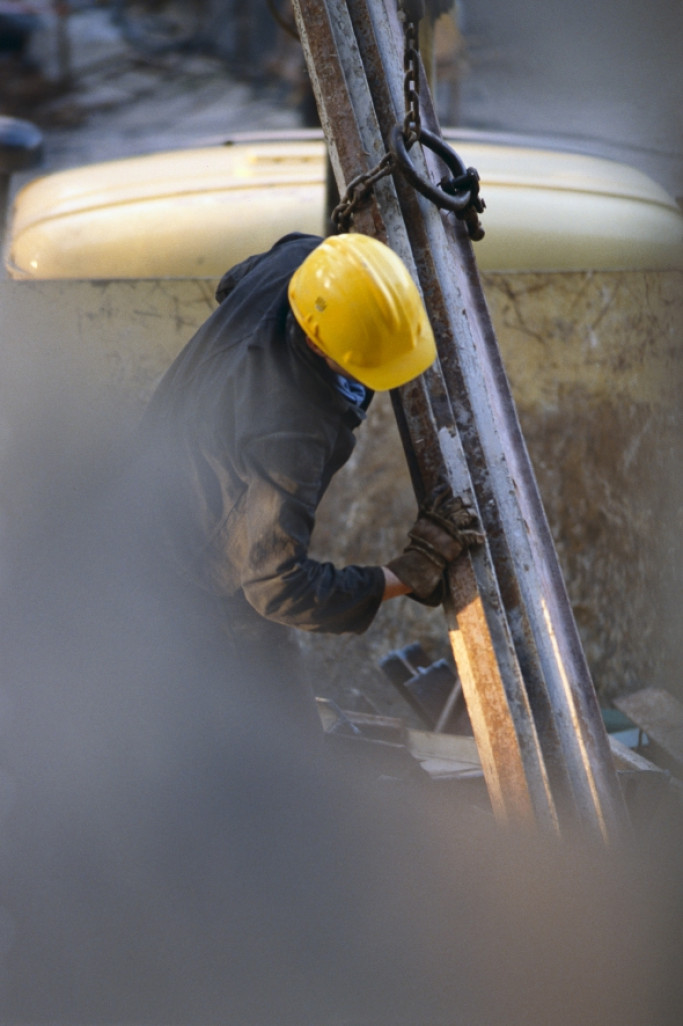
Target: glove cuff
420, 573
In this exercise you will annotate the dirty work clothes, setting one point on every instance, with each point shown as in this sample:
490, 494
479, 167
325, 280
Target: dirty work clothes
252, 427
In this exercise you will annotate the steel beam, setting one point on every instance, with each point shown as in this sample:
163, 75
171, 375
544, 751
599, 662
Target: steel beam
508, 618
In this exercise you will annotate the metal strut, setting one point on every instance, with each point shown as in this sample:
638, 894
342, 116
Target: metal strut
531, 702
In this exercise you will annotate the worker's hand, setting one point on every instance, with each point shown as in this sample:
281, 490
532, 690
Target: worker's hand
444, 528
452, 515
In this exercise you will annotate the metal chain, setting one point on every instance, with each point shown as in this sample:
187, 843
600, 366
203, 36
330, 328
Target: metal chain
459, 194
359, 189
411, 81
410, 12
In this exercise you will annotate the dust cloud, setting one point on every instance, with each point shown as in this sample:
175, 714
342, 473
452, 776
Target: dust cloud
175, 851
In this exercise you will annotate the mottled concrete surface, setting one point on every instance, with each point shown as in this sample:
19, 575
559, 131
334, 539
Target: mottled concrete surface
594, 362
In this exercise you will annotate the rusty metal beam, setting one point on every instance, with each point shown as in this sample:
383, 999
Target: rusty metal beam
511, 752
539, 614
498, 649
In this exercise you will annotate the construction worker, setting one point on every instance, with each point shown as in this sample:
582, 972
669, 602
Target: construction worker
253, 419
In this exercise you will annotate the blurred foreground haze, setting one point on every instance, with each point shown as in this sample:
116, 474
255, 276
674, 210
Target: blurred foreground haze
170, 854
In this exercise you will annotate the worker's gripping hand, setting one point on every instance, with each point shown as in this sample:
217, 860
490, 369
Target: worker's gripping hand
444, 528
451, 514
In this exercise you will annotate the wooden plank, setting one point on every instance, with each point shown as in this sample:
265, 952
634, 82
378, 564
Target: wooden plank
660, 716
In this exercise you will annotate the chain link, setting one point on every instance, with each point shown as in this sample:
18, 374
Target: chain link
359, 189
464, 188
411, 82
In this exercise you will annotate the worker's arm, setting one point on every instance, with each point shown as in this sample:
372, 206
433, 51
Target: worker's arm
277, 514
393, 586
283, 583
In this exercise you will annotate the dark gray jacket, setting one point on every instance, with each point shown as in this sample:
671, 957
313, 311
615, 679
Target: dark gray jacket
251, 429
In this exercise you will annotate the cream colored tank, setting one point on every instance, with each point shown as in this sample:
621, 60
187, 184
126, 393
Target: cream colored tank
193, 213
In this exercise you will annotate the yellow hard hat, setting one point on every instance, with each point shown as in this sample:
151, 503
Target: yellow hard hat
354, 297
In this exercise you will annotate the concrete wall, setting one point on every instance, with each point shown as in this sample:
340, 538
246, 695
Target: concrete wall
594, 360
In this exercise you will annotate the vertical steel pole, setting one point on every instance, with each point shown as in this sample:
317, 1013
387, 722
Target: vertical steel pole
359, 105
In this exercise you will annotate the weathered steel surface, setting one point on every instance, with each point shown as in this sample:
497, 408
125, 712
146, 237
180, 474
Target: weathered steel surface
539, 614
487, 662
363, 105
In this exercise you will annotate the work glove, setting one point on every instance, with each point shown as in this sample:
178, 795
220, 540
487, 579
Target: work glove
444, 528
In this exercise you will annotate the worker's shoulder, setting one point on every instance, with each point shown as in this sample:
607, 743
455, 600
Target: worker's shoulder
281, 259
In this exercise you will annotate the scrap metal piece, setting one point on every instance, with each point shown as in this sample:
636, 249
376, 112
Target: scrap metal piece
660, 715
426, 687
432, 689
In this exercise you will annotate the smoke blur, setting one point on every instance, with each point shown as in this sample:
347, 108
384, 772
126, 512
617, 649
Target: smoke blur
174, 850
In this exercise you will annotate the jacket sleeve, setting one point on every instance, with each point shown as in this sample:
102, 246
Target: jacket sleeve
279, 580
